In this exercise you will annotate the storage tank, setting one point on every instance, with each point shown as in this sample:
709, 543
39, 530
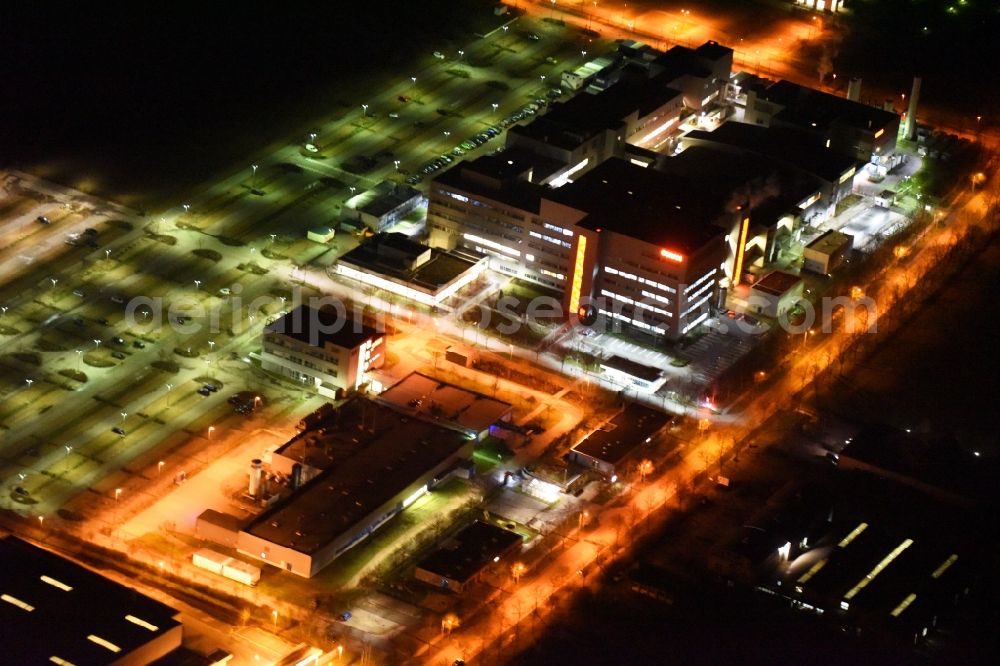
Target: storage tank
207, 558
256, 472
241, 572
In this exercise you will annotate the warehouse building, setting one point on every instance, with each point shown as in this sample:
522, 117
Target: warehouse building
461, 559
54, 611
609, 449
776, 293
469, 412
352, 469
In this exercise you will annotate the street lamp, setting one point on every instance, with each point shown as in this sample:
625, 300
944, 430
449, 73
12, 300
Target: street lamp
159, 467
124, 414
29, 382
517, 570
414, 79
253, 177
274, 616
118, 493
197, 284
645, 467
97, 343
449, 622
396, 162
495, 107
364, 110
211, 429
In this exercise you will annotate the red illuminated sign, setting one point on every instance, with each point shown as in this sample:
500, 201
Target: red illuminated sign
672, 256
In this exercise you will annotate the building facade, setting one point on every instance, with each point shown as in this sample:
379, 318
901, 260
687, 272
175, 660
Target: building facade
322, 348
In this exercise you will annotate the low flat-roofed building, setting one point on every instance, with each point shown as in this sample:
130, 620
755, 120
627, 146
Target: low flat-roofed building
401, 266
383, 205
866, 133
451, 406
324, 348
372, 462
608, 449
626, 372
827, 252
53, 610
776, 293
461, 559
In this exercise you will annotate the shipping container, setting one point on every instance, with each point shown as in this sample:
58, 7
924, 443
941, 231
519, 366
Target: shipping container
207, 558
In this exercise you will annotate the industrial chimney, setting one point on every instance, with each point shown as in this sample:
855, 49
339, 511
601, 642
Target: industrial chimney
854, 89
256, 471
911, 112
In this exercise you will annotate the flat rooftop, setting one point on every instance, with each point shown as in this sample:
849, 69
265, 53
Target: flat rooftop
491, 177
382, 452
884, 543
319, 327
445, 403
616, 439
630, 367
383, 198
642, 203
785, 145
777, 283
471, 550
50, 606
830, 242
806, 107
934, 460
568, 124
435, 273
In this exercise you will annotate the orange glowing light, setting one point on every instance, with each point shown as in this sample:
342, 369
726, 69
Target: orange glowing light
879, 133
672, 256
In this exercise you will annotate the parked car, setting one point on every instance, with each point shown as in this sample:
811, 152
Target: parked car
138, 344
118, 431
43, 220
204, 391
117, 354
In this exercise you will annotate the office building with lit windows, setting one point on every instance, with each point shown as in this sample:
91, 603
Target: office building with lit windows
324, 348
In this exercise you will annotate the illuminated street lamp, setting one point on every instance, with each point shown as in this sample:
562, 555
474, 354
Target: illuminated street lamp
495, 106
29, 382
253, 177
414, 79
211, 429
124, 414
364, 110
582, 519
159, 467
645, 467
396, 162
449, 622
517, 570
118, 494
211, 345
97, 343
274, 616
197, 284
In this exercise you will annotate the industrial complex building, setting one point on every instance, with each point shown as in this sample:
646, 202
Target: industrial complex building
54, 611
349, 471
649, 198
324, 348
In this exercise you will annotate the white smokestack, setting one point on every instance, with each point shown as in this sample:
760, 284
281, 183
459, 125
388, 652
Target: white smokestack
256, 470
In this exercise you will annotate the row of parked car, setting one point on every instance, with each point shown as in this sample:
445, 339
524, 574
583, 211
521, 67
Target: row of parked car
479, 139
